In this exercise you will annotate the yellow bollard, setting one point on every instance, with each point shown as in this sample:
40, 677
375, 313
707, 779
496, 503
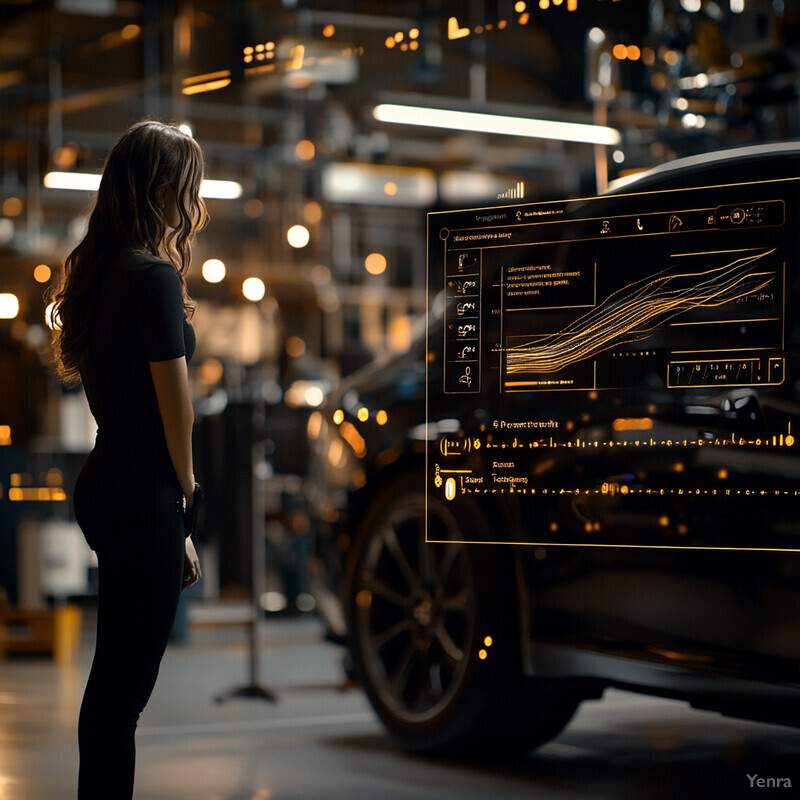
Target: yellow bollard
66, 633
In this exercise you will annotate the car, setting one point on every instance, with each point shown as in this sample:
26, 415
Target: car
600, 487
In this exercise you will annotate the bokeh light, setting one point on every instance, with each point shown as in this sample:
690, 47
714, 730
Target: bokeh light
254, 289
298, 236
375, 263
213, 270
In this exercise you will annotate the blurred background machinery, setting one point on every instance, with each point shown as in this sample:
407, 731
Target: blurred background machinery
329, 130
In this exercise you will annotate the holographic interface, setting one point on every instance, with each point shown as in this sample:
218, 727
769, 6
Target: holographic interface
590, 354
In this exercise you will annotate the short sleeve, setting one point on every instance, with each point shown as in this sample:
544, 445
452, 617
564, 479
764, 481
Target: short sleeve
162, 313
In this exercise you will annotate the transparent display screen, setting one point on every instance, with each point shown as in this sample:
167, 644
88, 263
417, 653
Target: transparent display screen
617, 350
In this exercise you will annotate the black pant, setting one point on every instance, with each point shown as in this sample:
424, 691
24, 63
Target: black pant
131, 519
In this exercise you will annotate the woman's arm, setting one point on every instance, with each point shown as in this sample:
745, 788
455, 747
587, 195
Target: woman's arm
171, 382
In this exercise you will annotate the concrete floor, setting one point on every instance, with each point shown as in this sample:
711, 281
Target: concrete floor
320, 742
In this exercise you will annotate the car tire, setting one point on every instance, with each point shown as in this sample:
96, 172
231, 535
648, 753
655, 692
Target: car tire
434, 631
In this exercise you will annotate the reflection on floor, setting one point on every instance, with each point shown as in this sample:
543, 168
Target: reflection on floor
322, 742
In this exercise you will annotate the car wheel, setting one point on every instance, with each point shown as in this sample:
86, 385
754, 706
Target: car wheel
434, 631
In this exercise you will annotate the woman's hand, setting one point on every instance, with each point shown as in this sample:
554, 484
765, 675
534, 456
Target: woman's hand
191, 566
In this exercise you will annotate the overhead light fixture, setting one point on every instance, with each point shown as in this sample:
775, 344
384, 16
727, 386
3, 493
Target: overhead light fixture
378, 184
220, 190
494, 123
468, 186
90, 182
9, 305
82, 181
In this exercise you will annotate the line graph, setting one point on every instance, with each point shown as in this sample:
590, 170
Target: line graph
633, 312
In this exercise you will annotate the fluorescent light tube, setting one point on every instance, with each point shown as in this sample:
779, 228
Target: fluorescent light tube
495, 123
84, 181
221, 190
89, 182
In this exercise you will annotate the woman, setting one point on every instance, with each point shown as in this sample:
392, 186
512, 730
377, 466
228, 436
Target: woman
121, 329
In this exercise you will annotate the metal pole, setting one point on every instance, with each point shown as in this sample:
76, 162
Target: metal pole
258, 555
259, 474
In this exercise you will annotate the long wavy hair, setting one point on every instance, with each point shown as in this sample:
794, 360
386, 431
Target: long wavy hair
127, 214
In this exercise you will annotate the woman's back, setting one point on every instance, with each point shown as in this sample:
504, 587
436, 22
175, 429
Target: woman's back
138, 318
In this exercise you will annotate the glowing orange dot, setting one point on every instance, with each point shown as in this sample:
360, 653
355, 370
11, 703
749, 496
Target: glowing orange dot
248, 51
364, 598
253, 208
519, 6
544, 4
328, 31
501, 24
248, 59
404, 46
375, 263
413, 45
12, 206
295, 346
363, 414
42, 273
259, 48
398, 37
270, 45
634, 53
620, 52
130, 31
312, 212
523, 20
413, 33
390, 42
305, 150
390, 188
482, 654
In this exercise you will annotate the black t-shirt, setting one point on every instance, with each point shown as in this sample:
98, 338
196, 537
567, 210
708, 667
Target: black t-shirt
138, 318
